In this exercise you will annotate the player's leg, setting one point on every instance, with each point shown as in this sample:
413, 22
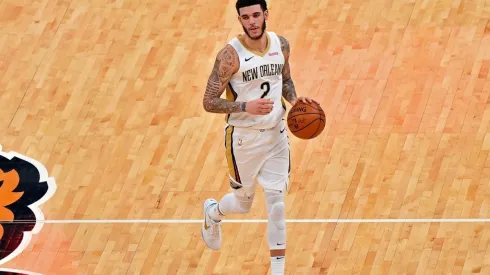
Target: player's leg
276, 229
243, 168
238, 201
274, 177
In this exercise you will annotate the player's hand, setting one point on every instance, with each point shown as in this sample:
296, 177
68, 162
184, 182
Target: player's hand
261, 106
304, 100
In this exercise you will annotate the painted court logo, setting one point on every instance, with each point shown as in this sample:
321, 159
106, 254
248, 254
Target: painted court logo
24, 186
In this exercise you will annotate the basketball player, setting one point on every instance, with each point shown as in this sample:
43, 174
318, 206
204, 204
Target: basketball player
253, 68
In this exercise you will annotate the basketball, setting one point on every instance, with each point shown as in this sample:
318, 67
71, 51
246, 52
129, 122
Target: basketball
306, 120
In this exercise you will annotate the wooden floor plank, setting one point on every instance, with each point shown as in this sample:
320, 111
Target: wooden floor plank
356, 249
107, 95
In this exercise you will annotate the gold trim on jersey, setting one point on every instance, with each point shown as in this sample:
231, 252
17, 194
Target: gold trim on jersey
242, 41
232, 167
231, 95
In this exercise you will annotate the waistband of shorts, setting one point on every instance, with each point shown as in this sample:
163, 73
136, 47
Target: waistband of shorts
250, 129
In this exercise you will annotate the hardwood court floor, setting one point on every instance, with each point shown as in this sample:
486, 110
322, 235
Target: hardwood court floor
107, 95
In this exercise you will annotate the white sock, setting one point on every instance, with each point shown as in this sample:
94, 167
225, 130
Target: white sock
214, 212
277, 265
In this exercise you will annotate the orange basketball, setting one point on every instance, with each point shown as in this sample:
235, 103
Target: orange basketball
306, 120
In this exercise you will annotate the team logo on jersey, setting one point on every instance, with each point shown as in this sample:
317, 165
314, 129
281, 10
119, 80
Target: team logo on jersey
274, 53
262, 71
24, 186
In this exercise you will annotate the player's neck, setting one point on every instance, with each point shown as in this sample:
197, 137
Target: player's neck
258, 45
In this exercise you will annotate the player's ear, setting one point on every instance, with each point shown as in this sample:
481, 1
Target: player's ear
266, 14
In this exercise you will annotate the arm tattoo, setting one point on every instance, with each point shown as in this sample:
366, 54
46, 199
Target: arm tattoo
288, 89
224, 67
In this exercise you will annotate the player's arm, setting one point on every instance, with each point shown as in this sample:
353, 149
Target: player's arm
226, 64
288, 89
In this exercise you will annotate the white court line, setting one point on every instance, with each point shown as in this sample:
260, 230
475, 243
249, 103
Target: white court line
177, 221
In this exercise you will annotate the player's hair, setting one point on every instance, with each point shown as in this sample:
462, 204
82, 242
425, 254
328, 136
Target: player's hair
246, 3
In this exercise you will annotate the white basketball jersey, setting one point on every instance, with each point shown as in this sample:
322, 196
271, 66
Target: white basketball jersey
259, 76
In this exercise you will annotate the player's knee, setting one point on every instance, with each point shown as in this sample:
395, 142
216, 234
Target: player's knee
276, 227
277, 215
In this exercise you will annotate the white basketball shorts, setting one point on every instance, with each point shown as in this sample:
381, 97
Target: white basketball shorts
261, 156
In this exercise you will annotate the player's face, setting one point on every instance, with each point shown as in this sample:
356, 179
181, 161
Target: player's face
253, 20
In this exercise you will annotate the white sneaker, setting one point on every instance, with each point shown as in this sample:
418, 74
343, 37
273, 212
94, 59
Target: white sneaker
211, 230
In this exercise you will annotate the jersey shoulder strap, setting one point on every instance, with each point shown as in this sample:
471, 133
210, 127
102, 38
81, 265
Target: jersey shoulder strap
237, 45
274, 36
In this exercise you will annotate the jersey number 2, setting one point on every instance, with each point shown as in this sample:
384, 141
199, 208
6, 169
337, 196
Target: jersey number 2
267, 87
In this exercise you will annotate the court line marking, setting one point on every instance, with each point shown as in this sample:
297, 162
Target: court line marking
178, 221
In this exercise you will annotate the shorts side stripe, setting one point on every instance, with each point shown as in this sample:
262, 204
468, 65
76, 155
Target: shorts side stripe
232, 167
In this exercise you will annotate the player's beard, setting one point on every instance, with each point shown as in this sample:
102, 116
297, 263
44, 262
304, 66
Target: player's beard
264, 26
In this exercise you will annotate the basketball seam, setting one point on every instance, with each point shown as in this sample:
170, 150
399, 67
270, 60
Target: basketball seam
307, 125
318, 128
312, 104
321, 114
